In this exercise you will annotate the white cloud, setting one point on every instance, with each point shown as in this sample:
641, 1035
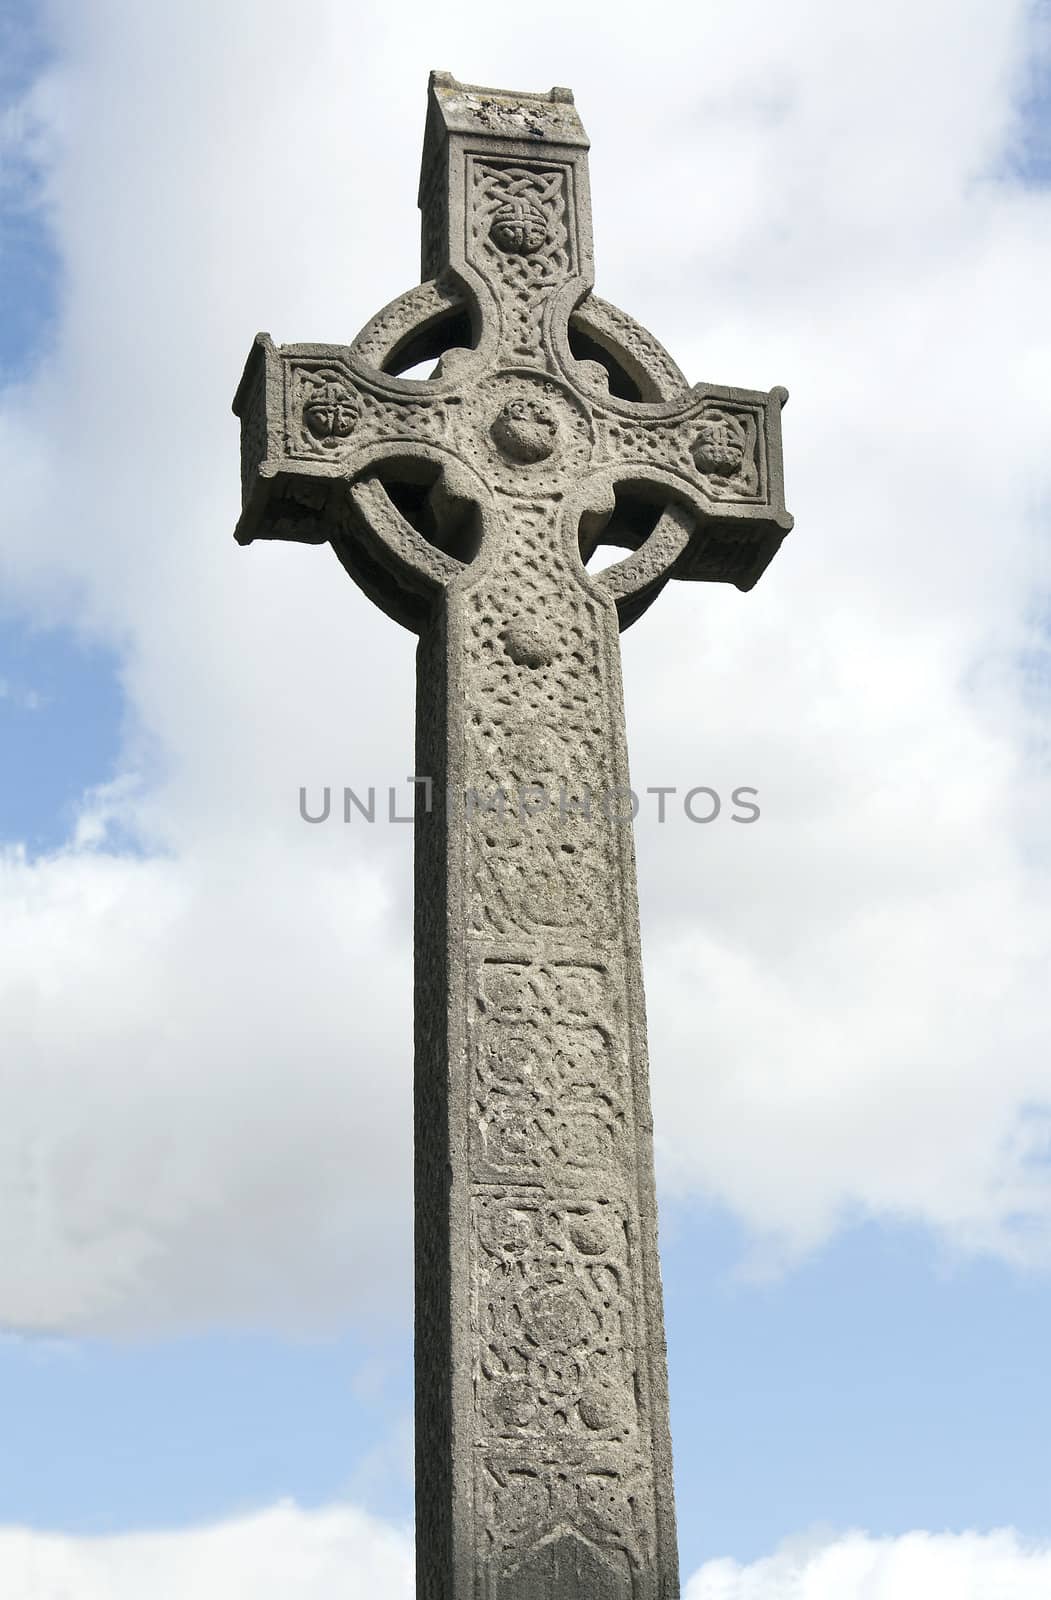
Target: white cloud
190, 1134
315, 1555
207, 1047
953, 1566
330, 1553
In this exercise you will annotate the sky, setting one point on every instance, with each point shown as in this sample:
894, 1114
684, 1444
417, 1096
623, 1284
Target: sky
205, 1031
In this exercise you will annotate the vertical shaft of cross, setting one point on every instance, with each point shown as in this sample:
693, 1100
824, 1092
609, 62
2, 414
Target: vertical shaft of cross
543, 1453
543, 1449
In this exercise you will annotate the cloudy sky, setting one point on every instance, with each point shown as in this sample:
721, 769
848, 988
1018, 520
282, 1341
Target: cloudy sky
205, 1053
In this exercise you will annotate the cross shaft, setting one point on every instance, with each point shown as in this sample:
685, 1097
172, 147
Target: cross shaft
464, 505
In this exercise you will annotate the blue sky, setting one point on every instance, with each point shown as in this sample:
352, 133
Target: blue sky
207, 1296
61, 715
875, 1387
30, 259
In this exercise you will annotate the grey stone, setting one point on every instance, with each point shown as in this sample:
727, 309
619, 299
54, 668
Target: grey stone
463, 505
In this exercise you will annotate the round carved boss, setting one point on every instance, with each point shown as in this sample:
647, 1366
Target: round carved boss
559, 1318
720, 444
526, 429
518, 228
515, 1405
592, 1233
600, 1407
530, 644
533, 429
330, 412
508, 1232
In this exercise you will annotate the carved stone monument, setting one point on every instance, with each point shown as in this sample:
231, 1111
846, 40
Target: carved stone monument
466, 506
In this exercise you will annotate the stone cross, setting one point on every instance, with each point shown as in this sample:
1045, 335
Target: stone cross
466, 505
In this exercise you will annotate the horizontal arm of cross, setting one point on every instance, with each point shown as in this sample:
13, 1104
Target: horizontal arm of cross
717, 457
314, 415
712, 452
319, 427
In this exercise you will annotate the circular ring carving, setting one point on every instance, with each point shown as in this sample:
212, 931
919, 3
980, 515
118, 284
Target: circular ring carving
410, 313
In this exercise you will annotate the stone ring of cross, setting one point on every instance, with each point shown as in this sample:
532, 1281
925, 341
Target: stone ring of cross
542, 392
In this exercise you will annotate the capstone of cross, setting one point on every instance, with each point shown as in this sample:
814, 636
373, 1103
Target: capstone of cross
466, 505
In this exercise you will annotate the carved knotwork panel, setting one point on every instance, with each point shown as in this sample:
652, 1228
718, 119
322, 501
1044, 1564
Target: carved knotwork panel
550, 1091
584, 1525
330, 414
717, 447
567, 1565
534, 1131
521, 237
558, 1318
557, 1341
535, 643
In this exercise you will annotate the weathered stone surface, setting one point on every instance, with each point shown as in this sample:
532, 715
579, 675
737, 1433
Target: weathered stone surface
463, 506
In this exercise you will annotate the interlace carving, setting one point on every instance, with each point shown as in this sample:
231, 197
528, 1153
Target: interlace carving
549, 1077
539, 844
517, 237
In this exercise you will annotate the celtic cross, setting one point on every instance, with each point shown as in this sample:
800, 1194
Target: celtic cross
466, 505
